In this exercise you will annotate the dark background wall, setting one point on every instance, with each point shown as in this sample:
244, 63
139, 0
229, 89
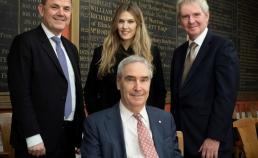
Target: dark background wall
235, 19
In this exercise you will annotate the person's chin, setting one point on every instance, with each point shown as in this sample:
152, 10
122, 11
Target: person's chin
138, 102
126, 38
59, 25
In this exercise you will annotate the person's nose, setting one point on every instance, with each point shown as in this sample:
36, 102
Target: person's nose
137, 86
191, 19
125, 25
60, 11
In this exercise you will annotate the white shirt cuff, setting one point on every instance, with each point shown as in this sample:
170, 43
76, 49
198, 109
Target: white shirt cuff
34, 140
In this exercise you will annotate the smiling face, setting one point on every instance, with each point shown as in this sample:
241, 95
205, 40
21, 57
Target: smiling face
134, 86
193, 19
56, 14
126, 27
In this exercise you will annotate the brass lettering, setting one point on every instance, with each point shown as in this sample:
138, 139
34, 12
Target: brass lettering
3, 75
3, 60
5, 35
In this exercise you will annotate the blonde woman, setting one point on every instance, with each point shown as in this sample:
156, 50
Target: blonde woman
128, 36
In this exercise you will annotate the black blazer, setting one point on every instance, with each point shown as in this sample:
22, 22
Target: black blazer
102, 93
104, 138
204, 105
38, 90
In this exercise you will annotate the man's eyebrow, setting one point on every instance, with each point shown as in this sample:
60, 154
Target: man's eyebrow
129, 76
145, 77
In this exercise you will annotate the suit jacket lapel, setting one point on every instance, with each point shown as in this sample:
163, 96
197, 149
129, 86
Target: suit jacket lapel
180, 63
156, 131
115, 130
46, 45
71, 55
203, 51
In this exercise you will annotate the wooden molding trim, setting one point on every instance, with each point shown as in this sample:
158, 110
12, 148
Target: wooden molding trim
242, 96
247, 96
75, 23
5, 102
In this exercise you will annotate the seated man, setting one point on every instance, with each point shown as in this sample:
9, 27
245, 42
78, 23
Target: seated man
131, 129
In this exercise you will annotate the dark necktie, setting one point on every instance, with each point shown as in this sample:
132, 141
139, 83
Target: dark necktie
63, 63
145, 141
189, 60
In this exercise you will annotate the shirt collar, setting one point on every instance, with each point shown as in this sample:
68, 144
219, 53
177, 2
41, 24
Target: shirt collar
48, 32
127, 114
199, 40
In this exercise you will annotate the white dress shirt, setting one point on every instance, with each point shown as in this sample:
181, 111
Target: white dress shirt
130, 131
199, 40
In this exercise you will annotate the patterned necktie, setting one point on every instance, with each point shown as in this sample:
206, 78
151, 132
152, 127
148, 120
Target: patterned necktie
189, 60
145, 140
63, 63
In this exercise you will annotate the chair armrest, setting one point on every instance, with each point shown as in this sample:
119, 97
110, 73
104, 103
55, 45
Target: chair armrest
4, 154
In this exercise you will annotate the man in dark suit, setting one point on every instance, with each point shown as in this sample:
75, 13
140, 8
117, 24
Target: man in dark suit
203, 97
116, 132
42, 87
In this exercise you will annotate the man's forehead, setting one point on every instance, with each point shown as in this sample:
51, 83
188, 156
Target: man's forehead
136, 69
136, 73
137, 66
192, 7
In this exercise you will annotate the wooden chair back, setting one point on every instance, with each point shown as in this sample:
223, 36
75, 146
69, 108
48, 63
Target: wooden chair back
180, 139
247, 131
5, 128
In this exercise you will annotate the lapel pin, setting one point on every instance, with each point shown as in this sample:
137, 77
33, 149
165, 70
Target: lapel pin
159, 121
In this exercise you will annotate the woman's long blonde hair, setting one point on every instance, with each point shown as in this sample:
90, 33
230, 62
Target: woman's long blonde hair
141, 43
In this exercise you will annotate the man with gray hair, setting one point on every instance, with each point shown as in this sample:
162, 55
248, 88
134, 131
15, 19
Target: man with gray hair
204, 84
131, 129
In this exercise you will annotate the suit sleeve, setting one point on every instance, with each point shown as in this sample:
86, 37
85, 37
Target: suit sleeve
19, 82
79, 102
90, 147
176, 151
157, 94
92, 83
172, 86
227, 82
